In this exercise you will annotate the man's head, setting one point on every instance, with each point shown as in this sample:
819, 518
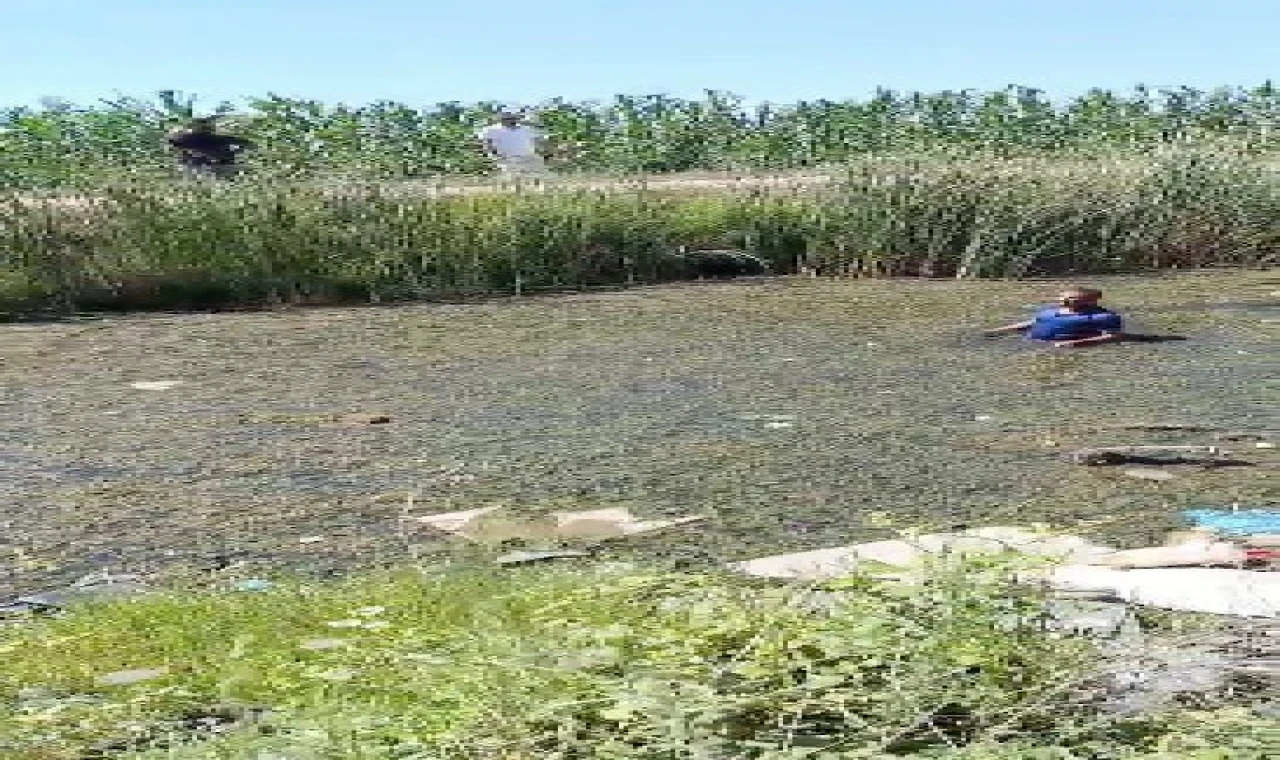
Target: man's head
1078, 297
510, 118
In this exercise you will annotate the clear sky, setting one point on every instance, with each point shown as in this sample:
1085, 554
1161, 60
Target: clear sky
522, 51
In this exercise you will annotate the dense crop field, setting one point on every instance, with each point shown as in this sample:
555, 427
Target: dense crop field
61, 143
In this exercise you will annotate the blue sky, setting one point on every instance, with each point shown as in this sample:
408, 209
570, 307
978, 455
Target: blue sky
522, 51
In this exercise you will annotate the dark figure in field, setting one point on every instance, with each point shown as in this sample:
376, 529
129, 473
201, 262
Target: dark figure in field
202, 152
1077, 320
722, 263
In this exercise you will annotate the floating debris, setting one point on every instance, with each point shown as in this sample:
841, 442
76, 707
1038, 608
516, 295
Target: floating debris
1235, 522
1242, 435
525, 558
1150, 455
495, 524
360, 418
156, 385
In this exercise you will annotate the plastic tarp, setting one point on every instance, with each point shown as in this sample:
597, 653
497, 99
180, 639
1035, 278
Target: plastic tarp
1241, 593
1218, 591
842, 560
1233, 522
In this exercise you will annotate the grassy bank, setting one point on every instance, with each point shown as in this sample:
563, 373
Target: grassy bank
160, 245
601, 662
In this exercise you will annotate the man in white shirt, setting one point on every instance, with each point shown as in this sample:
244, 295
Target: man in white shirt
514, 147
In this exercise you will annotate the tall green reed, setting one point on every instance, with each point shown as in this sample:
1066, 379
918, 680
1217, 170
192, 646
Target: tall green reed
148, 245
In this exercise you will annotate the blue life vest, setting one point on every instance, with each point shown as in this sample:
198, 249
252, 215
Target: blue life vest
1055, 323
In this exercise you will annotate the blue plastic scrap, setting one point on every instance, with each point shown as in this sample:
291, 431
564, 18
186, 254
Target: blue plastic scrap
1241, 522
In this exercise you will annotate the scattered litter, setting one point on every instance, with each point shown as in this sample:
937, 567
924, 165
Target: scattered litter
1221, 591
126, 677
491, 524
524, 558
1146, 473
155, 385
982, 418
842, 560
1216, 591
310, 539
1196, 553
96, 587
373, 611
1241, 435
1114, 455
1143, 676
362, 419
1235, 522
1264, 445
778, 425
253, 584
1195, 535
1100, 619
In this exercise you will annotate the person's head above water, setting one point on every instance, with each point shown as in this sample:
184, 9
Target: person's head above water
1078, 298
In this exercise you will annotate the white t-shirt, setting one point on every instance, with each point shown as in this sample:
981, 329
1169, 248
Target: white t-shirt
511, 142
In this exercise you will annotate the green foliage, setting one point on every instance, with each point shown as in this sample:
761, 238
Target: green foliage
588, 663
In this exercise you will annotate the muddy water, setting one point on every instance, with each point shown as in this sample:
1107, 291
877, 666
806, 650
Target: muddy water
796, 415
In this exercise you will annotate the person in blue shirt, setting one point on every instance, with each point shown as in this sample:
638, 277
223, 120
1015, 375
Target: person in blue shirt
1077, 320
